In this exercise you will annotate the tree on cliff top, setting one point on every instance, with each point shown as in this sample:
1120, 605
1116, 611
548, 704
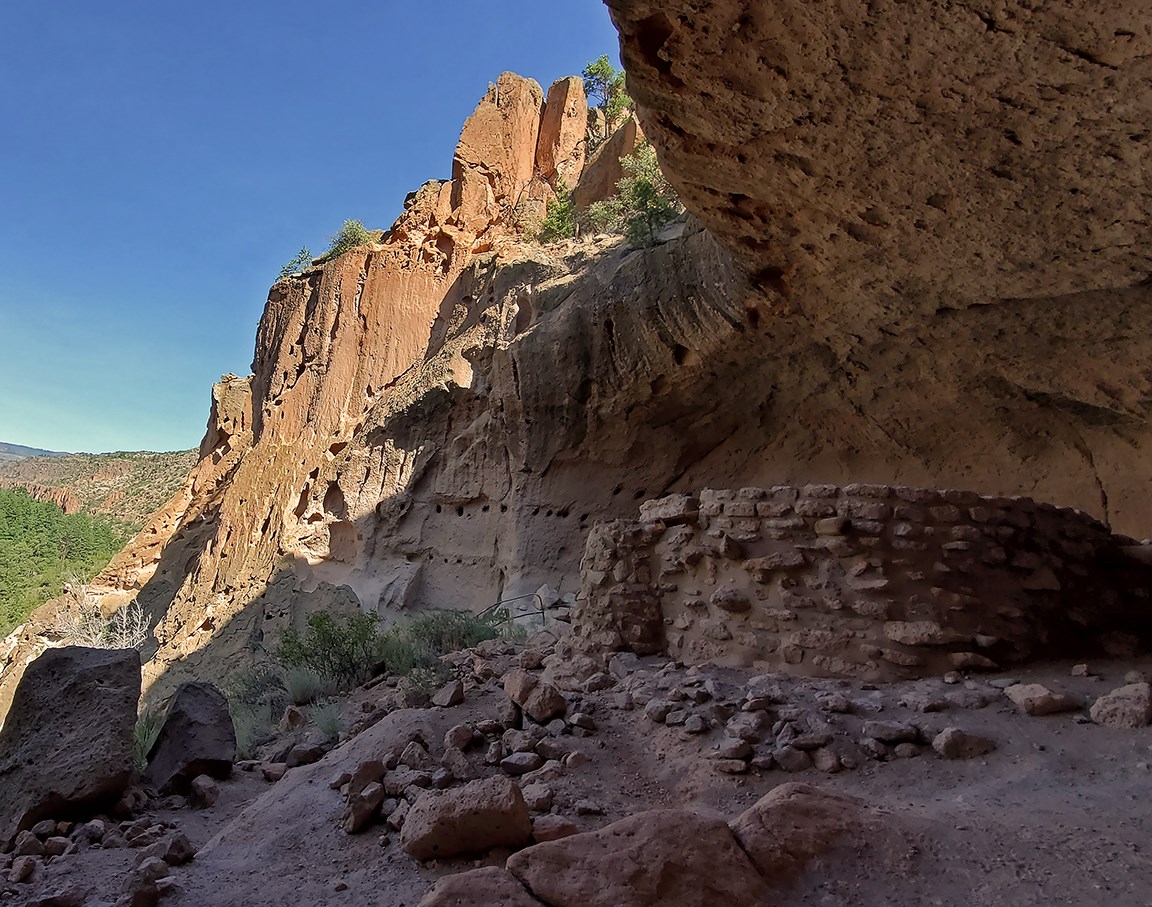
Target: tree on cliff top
351, 235
302, 260
604, 85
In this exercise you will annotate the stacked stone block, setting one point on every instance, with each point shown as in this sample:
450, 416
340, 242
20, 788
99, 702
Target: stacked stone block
869, 581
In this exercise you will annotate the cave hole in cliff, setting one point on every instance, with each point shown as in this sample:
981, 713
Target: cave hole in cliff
681, 355
617, 490
485, 509
302, 504
459, 511
336, 448
334, 501
649, 38
752, 316
503, 508
639, 495
439, 508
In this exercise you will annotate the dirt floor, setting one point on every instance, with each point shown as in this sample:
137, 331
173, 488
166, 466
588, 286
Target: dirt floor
1058, 814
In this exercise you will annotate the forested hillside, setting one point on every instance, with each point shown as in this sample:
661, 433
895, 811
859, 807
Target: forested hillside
128, 486
41, 548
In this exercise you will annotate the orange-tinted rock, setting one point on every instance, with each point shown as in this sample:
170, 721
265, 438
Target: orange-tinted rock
560, 148
496, 157
603, 171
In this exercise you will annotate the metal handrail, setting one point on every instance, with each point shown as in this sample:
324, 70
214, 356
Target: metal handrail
491, 610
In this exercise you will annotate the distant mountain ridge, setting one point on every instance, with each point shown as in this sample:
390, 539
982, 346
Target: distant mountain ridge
126, 486
9, 452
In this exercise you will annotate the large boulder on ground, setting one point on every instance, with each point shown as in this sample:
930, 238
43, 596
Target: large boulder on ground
539, 699
197, 738
793, 823
487, 887
467, 820
665, 857
1125, 707
66, 746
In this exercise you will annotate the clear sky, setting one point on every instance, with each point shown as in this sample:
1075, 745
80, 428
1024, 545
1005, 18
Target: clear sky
160, 161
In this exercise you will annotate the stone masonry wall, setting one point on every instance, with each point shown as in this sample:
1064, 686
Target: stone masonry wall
868, 581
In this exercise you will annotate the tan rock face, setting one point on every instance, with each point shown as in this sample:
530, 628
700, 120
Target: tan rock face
794, 823
912, 155
670, 858
561, 145
495, 160
603, 170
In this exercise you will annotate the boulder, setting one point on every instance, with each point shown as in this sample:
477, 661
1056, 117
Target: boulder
1125, 707
468, 820
488, 887
538, 698
793, 823
66, 746
953, 743
1036, 699
197, 738
665, 857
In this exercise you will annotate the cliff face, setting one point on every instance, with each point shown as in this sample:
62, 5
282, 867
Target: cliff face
921, 275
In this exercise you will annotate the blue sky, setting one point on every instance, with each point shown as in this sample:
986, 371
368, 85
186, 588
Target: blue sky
161, 161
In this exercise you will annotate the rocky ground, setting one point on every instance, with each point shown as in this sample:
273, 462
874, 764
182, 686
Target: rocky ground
1017, 809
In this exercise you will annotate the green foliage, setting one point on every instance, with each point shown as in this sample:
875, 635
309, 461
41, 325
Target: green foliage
144, 735
351, 235
645, 204
350, 650
441, 632
252, 728
302, 260
305, 686
256, 699
326, 719
41, 549
346, 650
605, 87
125, 487
560, 223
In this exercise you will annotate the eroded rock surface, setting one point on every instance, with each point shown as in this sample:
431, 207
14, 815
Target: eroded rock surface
197, 738
66, 744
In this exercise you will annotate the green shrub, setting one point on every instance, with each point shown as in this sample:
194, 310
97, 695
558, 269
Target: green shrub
441, 632
560, 222
646, 202
305, 686
428, 678
351, 235
339, 652
147, 729
326, 719
251, 725
302, 260
347, 650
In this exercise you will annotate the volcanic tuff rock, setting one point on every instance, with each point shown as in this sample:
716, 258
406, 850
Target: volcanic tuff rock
933, 229
66, 744
197, 738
